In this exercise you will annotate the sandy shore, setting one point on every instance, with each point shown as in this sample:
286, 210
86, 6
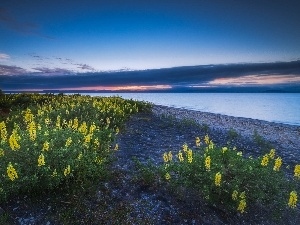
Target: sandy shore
285, 138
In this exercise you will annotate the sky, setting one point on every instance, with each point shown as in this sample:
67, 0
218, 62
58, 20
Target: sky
148, 45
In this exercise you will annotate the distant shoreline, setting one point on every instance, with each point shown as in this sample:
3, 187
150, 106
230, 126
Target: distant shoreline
207, 90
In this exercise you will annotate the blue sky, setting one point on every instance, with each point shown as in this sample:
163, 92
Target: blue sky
76, 37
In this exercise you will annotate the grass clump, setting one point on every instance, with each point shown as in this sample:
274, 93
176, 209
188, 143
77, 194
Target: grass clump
229, 181
57, 140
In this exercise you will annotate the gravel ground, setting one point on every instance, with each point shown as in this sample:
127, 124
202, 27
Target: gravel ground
148, 136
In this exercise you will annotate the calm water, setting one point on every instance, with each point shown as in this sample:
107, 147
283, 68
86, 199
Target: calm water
282, 108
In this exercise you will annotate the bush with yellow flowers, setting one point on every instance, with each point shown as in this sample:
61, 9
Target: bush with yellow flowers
230, 181
59, 139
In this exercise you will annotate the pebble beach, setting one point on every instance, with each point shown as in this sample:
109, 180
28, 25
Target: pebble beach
285, 138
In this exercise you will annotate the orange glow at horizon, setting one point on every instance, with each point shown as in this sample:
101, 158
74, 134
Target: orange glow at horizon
256, 80
119, 88
104, 88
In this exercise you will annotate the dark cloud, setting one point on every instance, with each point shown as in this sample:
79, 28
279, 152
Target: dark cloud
84, 67
176, 77
11, 70
65, 61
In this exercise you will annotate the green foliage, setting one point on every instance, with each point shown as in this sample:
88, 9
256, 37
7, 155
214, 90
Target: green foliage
147, 173
23, 100
188, 122
4, 219
205, 127
259, 140
232, 134
228, 180
58, 140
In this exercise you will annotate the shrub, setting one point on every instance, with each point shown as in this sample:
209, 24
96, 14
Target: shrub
228, 180
59, 140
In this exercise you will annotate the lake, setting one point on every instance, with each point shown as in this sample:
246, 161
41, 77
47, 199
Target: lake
272, 107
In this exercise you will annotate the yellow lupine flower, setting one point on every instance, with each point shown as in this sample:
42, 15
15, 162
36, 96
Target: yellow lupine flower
70, 123
211, 145
47, 121
11, 172
234, 195
67, 170
3, 131
28, 117
224, 149
265, 160
68, 142
96, 142
197, 141
40, 112
272, 154
243, 195
242, 205
41, 160
239, 153
297, 171
32, 130
218, 179
83, 128
117, 130
116, 147
57, 124
92, 128
190, 156
98, 160
293, 200
185, 147
87, 140
168, 176
64, 123
54, 174
72, 106
75, 124
79, 157
46, 146
278, 163
180, 156
170, 156
165, 157
206, 139
1, 152
166, 166
13, 141
207, 163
